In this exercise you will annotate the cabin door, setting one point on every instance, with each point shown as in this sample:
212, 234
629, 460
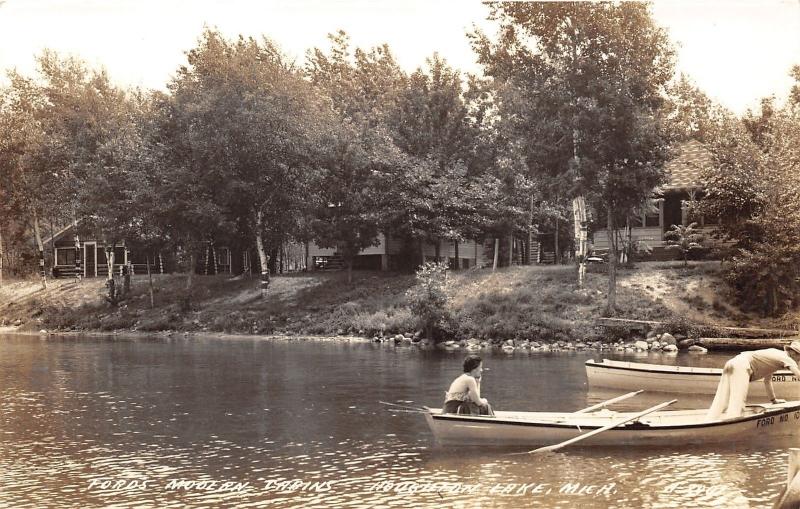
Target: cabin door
90, 259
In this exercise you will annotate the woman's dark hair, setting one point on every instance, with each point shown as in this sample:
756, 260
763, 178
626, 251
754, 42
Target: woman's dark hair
472, 362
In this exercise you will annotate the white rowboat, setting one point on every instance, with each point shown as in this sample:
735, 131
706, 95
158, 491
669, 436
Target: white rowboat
669, 427
679, 379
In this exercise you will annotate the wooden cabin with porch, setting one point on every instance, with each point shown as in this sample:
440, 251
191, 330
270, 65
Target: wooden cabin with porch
90, 255
670, 204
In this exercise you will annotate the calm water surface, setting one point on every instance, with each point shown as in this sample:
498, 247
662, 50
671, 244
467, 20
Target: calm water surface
299, 424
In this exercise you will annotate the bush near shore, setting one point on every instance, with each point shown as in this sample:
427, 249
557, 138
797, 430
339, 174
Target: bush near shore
534, 303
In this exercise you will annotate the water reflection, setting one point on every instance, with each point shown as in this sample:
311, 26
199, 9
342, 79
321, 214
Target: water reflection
299, 424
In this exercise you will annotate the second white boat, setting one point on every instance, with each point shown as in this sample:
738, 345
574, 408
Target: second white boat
678, 379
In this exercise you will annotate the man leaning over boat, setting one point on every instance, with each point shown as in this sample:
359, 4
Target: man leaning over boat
731, 396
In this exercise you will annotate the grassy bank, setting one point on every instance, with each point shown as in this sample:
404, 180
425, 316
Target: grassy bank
540, 303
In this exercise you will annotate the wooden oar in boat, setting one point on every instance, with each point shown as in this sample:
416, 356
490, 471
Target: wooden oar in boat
610, 402
405, 408
554, 447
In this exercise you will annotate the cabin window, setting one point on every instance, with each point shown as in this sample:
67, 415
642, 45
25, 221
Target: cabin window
65, 256
652, 220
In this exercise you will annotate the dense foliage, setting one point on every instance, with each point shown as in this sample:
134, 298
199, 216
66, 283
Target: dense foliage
249, 149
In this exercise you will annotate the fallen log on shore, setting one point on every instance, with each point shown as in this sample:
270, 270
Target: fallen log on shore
737, 343
739, 332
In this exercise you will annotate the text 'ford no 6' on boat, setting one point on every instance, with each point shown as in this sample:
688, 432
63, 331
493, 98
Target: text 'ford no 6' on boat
656, 428
679, 379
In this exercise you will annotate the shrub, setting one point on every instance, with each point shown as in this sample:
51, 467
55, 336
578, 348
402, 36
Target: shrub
427, 298
767, 278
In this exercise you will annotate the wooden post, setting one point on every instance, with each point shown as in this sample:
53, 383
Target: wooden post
150, 282
790, 495
794, 464
496, 253
205, 267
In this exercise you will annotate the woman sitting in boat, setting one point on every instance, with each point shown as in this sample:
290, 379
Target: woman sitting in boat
748, 367
464, 394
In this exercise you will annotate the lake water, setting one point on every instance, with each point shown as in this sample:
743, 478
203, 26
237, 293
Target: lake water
91, 422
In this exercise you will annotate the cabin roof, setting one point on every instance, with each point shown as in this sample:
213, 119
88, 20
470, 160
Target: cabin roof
686, 169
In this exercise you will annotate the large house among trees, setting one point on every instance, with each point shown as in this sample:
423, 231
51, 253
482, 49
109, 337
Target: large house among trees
670, 204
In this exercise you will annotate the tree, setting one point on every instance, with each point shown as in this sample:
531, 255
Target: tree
691, 114
581, 86
438, 123
248, 129
685, 239
756, 191
23, 140
356, 152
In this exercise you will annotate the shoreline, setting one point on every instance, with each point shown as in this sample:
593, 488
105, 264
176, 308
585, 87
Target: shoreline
508, 346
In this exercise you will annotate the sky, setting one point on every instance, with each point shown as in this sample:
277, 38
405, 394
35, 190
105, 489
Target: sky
737, 51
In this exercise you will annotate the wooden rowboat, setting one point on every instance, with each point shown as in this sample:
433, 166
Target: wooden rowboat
679, 379
669, 427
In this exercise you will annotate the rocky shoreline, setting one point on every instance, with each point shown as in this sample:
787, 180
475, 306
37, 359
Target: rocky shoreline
664, 342
655, 342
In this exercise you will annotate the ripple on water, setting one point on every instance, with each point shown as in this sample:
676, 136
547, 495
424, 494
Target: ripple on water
253, 412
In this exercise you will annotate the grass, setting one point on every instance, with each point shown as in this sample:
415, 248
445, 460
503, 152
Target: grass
541, 303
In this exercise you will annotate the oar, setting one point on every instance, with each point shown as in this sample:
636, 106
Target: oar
405, 407
549, 448
610, 401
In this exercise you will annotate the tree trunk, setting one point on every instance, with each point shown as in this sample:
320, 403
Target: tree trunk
530, 231
214, 257
205, 265
262, 256
458, 257
496, 253
190, 275
126, 279
421, 252
160, 264
110, 261
2, 254
76, 238
511, 250
349, 263
612, 263
557, 260
39, 244
150, 283
110, 283
438, 250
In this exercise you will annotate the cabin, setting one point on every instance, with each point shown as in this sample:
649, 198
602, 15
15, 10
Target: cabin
669, 204
213, 259
390, 251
